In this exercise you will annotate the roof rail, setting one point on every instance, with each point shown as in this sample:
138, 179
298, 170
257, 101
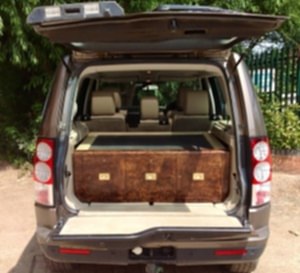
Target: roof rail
76, 11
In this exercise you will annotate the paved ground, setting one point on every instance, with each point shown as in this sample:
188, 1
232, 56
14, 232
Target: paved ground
20, 254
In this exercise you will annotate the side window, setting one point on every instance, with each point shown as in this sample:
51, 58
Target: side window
83, 98
219, 101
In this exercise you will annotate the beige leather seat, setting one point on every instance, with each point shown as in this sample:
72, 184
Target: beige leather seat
179, 104
195, 115
181, 97
150, 115
117, 98
149, 109
104, 117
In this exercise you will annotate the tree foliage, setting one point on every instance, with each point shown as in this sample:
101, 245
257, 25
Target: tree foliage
27, 61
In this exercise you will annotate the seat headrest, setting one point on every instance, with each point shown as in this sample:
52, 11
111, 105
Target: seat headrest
196, 103
181, 96
102, 104
116, 95
149, 108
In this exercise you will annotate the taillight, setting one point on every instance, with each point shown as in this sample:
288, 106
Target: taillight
261, 171
43, 171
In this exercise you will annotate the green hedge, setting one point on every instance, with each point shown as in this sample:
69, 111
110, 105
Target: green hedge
282, 123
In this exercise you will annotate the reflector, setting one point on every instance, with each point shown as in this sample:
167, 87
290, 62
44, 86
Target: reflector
74, 251
231, 252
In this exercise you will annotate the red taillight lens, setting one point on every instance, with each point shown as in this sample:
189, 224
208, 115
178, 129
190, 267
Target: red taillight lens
261, 171
231, 252
74, 251
43, 171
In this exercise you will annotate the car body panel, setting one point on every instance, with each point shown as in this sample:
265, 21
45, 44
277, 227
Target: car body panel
191, 247
161, 31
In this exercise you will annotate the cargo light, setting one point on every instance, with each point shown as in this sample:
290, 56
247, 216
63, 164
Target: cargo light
231, 252
74, 11
43, 171
261, 171
74, 251
91, 9
52, 12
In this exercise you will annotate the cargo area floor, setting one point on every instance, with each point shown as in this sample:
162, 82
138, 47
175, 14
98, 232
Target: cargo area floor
124, 219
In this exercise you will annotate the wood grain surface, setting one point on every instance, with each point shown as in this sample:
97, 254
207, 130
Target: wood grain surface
171, 174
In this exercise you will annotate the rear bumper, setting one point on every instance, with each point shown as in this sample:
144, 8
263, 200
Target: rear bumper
189, 247
183, 249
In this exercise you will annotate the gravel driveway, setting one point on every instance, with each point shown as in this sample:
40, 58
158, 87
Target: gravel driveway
20, 254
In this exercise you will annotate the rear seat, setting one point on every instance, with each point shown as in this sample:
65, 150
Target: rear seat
117, 98
150, 116
104, 117
178, 105
195, 115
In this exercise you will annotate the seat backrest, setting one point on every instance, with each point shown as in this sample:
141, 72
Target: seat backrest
103, 114
195, 115
181, 97
115, 91
102, 104
196, 103
150, 116
149, 108
116, 95
178, 105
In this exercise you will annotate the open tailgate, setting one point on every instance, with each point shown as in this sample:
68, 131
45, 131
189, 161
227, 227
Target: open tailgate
104, 28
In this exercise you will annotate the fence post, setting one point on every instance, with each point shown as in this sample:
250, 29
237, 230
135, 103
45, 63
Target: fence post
281, 77
293, 77
276, 73
298, 77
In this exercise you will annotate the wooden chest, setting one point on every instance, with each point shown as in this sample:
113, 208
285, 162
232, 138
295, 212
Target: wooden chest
151, 176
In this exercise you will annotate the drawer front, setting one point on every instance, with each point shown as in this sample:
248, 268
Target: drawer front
203, 177
99, 177
151, 177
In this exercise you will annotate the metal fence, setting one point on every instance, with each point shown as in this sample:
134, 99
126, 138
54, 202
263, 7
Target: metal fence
276, 73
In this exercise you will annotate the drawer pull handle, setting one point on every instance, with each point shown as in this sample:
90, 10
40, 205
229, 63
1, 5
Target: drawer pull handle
104, 176
150, 176
198, 176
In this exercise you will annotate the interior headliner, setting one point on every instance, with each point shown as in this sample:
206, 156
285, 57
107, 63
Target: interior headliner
157, 71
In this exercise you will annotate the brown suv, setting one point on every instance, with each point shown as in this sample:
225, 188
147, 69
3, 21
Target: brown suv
152, 148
